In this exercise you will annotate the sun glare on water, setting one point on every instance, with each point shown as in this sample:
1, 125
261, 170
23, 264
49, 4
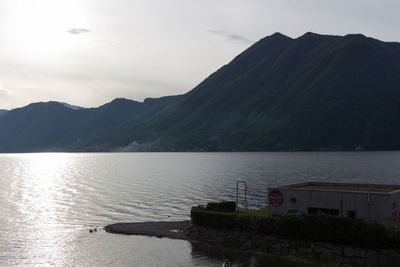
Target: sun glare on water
37, 28
43, 195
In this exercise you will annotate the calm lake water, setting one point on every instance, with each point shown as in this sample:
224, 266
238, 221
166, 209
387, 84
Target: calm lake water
49, 201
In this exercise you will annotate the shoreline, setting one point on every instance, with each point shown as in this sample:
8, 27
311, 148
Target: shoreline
168, 229
299, 251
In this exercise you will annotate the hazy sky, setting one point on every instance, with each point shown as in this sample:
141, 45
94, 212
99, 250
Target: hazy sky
88, 52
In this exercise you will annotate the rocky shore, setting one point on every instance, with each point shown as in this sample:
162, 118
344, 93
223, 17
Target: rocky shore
317, 251
255, 242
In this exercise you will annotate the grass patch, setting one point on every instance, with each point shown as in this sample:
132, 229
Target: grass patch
260, 212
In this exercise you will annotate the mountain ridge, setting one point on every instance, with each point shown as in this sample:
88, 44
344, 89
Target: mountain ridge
314, 92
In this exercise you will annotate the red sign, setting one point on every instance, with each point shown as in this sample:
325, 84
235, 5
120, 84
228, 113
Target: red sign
275, 198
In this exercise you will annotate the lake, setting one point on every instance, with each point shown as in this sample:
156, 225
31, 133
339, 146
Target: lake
49, 201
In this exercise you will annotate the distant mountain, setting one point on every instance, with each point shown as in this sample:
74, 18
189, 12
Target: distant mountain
2, 111
315, 92
52, 126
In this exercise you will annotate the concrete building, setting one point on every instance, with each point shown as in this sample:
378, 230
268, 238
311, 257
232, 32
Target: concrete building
369, 202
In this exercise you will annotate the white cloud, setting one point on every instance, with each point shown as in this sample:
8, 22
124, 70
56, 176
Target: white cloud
232, 36
78, 30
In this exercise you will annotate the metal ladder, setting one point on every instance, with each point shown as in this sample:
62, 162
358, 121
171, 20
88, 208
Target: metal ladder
241, 188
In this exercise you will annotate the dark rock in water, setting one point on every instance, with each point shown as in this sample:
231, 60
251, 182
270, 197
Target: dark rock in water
95, 229
90, 230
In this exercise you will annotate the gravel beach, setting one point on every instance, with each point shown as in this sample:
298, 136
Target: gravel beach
174, 230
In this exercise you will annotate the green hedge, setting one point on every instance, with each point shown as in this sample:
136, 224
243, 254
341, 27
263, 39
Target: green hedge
338, 230
213, 219
224, 206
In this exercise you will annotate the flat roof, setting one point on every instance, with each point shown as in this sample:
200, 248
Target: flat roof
345, 187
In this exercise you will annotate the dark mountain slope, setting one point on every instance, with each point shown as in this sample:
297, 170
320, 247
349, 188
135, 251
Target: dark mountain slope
313, 92
33, 126
343, 99
3, 111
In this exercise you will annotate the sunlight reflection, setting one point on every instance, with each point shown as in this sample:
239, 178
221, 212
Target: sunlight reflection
42, 198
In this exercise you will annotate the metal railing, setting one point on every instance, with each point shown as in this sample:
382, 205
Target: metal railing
241, 188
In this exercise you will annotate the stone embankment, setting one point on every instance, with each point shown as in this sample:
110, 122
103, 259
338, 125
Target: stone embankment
314, 250
266, 244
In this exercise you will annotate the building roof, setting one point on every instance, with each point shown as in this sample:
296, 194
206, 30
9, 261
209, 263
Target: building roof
379, 188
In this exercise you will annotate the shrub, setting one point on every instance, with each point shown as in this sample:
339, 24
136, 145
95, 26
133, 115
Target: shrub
219, 220
243, 221
290, 227
224, 206
339, 230
264, 225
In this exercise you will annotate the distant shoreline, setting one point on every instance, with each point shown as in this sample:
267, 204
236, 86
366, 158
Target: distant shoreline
250, 151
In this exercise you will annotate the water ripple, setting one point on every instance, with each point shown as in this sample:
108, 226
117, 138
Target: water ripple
50, 200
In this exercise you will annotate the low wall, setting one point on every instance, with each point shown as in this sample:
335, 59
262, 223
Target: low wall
305, 249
